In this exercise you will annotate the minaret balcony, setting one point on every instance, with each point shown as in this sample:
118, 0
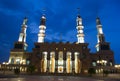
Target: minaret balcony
41, 35
80, 35
42, 26
80, 27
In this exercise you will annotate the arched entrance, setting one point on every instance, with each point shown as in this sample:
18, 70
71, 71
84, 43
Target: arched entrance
44, 62
77, 63
52, 62
68, 63
60, 62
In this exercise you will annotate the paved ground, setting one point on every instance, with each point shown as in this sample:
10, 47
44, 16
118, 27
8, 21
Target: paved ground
54, 78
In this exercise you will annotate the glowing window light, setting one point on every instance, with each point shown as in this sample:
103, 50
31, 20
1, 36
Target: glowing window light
45, 52
100, 31
76, 53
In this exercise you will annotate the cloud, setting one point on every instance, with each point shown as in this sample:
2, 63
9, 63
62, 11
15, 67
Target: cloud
10, 12
57, 36
33, 27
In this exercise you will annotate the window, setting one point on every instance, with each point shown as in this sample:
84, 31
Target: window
111, 62
12, 60
93, 63
52, 62
60, 55
44, 54
97, 48
68, 54
27, 61
76, 54
52, 54
18, 61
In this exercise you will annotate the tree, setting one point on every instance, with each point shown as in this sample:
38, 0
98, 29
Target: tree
91, 71
31, 68
17, 71
105, 72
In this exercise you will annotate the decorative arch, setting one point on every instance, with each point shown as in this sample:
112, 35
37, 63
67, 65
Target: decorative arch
77, 62
44, 62
52, 62
68, 62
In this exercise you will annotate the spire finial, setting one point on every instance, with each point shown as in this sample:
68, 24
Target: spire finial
25, 20
78, 12
43, 11
78, 9
98, 21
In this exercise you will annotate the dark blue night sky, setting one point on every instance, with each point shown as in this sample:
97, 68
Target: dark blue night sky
61, 20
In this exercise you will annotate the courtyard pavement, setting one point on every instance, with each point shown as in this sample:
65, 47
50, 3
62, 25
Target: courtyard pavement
54, 78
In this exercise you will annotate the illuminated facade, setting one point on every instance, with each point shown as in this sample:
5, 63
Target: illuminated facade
63, 58
42, 28
17, 55
80, 35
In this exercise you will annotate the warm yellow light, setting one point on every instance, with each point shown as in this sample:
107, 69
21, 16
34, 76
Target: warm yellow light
5, 63
56, 48
116, 66
76, 53
98, 61
101, 61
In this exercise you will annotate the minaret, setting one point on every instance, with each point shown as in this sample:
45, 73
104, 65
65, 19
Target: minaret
22, 36
42, 27
100, 35
18, 53
80, 34
102, 44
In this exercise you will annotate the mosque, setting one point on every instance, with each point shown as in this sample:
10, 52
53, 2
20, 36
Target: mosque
62, 58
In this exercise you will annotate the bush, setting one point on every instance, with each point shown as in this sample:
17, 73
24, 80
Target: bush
91, 71
31, 68
105, 72
17, 71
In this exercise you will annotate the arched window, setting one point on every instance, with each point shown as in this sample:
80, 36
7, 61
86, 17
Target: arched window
27, 61
76, 55
93, 62
52, 62
60, 62
44, 62
44, 54
111, 62
18, 60
68, 62
12, 60
68, 54
52, 54
60, 55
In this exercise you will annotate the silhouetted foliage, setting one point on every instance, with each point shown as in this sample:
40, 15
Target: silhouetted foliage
91, 71
105, 72
31, 68
17, 71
